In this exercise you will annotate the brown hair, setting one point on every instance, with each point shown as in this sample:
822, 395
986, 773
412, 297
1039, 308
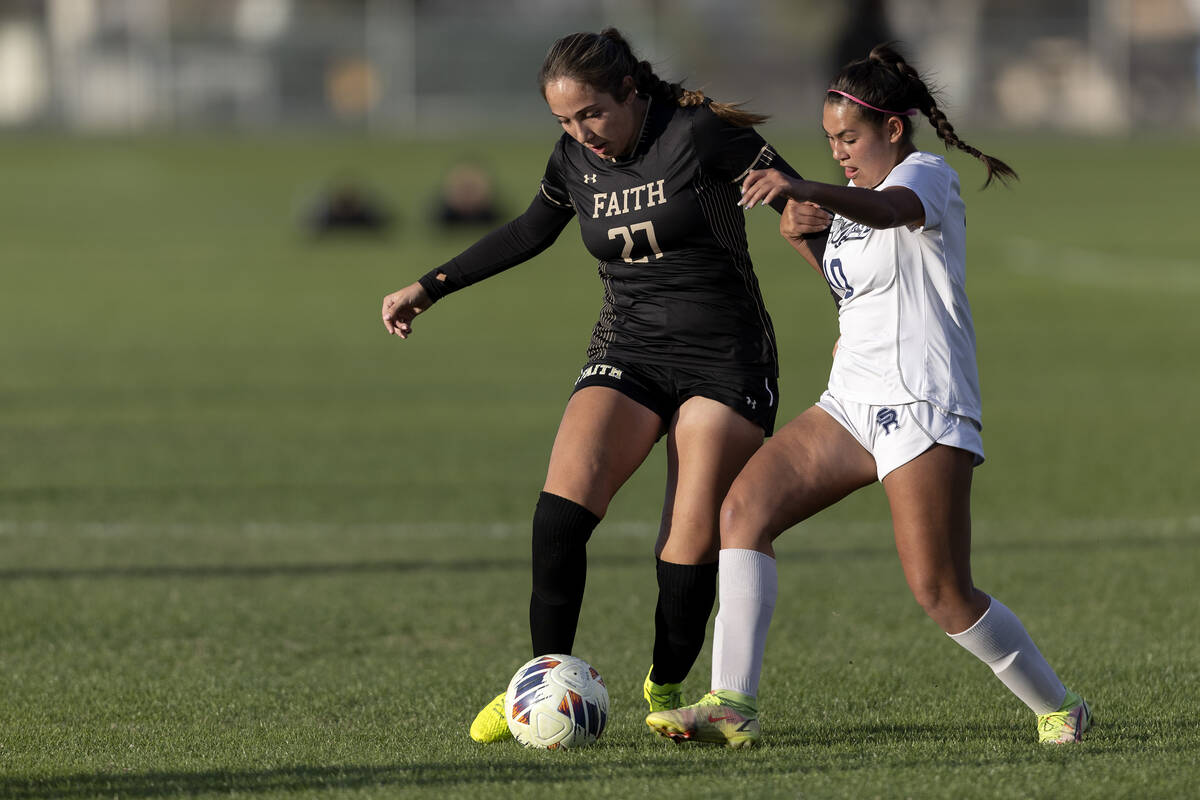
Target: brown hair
602, 60
886, 80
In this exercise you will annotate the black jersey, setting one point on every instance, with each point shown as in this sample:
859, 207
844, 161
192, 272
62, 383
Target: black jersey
664, 224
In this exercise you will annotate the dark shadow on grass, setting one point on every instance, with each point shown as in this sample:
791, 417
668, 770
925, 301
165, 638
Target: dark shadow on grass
286, 779
641, 556
468, 777
317, 569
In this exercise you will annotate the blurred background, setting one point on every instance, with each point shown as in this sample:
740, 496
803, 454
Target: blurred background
438, 66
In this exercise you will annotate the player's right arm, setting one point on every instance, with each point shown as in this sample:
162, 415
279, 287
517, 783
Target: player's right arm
509, 245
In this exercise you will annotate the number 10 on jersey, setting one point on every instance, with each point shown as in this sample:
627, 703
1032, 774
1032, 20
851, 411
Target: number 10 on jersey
626, 233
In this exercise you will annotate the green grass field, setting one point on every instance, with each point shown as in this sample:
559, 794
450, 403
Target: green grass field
252, 546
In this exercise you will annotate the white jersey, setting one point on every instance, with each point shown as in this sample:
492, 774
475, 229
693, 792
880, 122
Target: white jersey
906, 330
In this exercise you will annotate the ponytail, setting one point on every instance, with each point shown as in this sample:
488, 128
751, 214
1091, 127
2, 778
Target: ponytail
884, 80
603, 60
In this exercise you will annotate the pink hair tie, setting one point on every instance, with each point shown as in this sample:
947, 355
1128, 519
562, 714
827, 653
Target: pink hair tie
912, 112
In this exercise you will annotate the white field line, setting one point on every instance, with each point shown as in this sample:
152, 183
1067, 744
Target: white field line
1095, 267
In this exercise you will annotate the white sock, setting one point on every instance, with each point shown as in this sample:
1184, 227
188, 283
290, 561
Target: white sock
748, 586
999, 640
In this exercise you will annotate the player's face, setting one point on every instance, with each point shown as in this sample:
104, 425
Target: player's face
595, 119
866, 151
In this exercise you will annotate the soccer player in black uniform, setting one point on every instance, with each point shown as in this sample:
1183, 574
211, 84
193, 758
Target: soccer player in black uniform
683, 346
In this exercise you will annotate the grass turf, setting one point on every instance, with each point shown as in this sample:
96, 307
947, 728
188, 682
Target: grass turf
250, 545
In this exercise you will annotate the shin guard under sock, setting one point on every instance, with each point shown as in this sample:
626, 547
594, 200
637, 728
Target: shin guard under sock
686, 593
749, 587
561, 529
999, 640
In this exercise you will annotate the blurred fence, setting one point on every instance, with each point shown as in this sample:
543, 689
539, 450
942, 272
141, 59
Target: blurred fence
467, 66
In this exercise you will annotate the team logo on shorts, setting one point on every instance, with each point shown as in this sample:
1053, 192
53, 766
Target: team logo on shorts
887, 419
599, 369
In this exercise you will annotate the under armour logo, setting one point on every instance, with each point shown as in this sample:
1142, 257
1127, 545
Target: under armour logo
750, 401
887, 419
589, 178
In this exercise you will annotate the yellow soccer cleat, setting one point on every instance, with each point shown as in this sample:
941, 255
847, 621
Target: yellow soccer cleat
661, 696
489, 724
1066, 725
720, 717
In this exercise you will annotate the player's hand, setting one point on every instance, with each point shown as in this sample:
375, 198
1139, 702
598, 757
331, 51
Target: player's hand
764, 185
802, 218
399, 309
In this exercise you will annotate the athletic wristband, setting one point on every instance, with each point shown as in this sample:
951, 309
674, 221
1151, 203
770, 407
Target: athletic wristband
436, 289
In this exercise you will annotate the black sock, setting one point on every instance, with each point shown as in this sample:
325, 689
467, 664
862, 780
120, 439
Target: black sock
561, 529
686, 593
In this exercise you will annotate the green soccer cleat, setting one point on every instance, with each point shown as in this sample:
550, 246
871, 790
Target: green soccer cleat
489, 724
661, 696
720, 717
1067, 724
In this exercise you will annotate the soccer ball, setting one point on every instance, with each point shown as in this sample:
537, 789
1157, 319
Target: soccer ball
556, 701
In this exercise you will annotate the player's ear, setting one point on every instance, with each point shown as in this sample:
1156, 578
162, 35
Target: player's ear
629, 89
894, 128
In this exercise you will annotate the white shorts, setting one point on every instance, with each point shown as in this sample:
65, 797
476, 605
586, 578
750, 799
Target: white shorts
895, 435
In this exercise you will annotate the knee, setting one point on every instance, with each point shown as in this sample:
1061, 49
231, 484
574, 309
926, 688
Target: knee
742, 521
561, 529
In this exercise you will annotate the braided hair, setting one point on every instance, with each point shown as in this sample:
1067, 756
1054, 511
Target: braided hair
603, 60
884, 79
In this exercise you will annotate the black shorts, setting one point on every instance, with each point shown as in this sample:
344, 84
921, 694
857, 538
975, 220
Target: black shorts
664, 389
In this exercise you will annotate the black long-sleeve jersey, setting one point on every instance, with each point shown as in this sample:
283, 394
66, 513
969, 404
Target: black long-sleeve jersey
679, 287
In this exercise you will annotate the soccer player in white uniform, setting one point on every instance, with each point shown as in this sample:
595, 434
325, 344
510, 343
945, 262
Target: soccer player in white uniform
902, 405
